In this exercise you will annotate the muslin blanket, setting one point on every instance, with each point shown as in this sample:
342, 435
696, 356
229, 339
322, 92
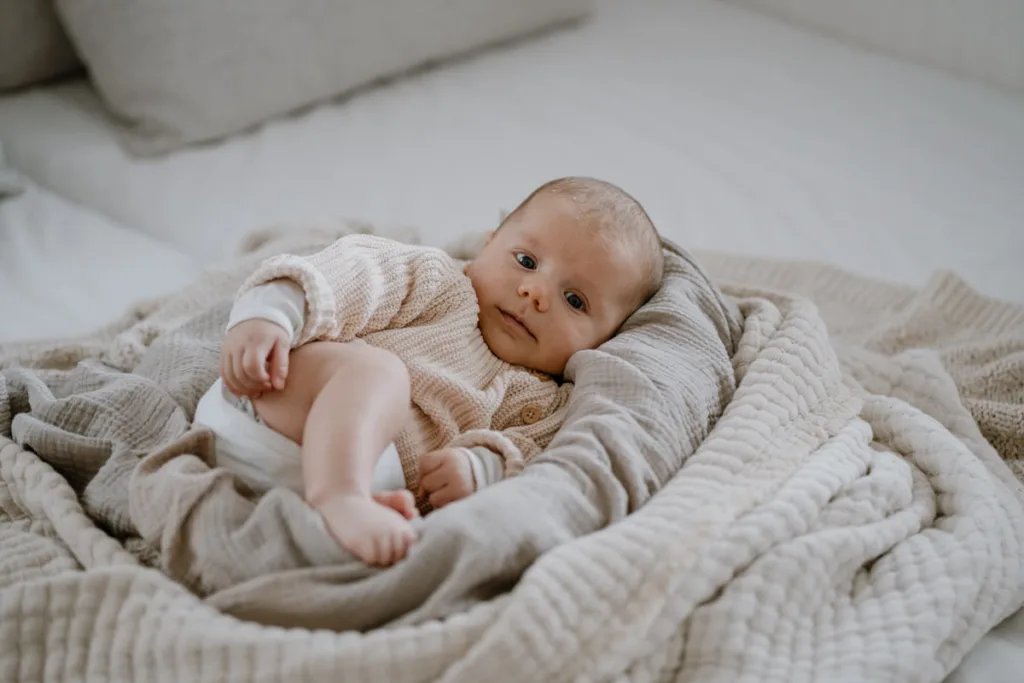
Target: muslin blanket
736, 495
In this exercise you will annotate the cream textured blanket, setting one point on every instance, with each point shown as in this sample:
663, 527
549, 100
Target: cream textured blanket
839, 514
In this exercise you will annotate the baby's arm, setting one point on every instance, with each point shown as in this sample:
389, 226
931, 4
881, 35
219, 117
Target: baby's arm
482, 457
488, 467
517, 443
523, 427
358, 284
281, 302
451, 474
363, 283
260, 333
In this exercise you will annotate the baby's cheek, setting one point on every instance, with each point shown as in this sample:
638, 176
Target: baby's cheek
578, 340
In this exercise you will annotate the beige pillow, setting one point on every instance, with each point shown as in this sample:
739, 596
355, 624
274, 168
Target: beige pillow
184, 71
33, 46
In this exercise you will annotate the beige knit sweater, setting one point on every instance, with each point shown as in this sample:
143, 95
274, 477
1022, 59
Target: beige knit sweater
416, 302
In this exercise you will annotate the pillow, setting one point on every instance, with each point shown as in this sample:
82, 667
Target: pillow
188, 71
33, 46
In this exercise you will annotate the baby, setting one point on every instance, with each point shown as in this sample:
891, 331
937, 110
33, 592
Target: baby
373, 368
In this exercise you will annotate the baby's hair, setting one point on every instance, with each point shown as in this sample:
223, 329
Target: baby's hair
617, 216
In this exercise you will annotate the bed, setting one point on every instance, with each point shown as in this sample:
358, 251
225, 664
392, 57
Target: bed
730, 128
738, 132
64, 267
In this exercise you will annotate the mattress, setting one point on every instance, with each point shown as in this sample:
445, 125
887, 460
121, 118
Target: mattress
736, 131
66, 269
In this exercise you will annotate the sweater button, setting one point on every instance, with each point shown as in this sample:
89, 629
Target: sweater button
530, 414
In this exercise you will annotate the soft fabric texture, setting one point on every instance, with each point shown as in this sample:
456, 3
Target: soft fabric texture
843, 520
416, 302
979, 341
184, 72
33, 45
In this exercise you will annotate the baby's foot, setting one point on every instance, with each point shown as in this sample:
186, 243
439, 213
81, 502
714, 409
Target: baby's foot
401, 501
373, 532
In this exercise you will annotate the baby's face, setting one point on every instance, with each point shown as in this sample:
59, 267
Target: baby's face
548, 287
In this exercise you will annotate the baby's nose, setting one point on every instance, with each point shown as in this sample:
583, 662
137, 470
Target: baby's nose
535, 291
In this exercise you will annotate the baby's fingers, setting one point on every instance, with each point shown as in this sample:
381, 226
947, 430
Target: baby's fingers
430, 462
254, 368
443, 496
254, 361
279, 364
245, 384
227, 373
432, 481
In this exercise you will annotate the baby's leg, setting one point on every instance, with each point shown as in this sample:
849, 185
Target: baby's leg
344, 403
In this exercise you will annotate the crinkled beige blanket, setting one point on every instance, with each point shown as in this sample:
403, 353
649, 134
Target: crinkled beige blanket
838, 514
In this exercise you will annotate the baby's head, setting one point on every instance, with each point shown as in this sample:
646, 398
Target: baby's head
564, 271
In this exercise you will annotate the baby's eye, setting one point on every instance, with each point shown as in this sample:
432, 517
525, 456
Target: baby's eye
574, 300
526, 261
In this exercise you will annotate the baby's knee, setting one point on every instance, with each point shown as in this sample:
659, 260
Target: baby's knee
316, 363
386, 367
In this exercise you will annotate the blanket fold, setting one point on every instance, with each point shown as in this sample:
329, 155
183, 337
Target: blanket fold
747, 485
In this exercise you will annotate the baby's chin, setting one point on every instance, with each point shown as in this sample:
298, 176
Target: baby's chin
508, 351
499, 344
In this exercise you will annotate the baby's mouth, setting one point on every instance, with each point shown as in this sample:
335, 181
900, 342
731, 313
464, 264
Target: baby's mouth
515, 321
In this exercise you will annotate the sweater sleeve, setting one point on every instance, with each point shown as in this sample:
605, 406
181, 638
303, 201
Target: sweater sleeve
518, 443
363, 283
488, 466
281, 302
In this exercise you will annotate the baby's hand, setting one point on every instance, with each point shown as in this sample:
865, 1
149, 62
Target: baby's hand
248, 349
446, 476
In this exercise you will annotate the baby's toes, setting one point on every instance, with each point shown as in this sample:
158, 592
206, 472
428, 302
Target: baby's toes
400, 541
383, 552
407, 505
401, 501
365, 549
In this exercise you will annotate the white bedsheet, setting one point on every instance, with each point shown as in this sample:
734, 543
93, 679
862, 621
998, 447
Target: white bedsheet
66, 270
736, 131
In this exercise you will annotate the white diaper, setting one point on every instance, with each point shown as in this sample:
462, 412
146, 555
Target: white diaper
261, 457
